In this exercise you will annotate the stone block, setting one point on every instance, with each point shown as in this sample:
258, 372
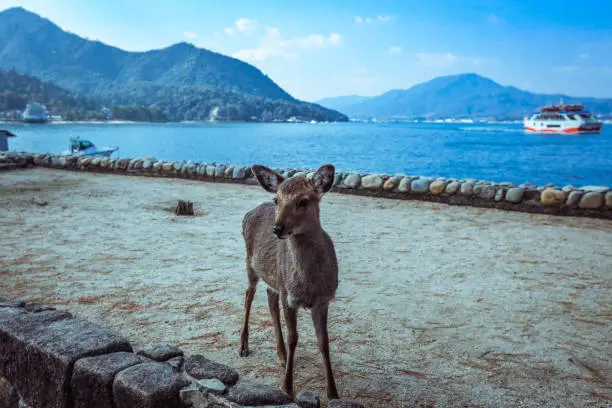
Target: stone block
40, 349
148, 385
307, 399
92, 378
201, 368
257, 395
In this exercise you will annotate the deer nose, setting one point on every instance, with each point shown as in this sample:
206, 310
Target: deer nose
278, 229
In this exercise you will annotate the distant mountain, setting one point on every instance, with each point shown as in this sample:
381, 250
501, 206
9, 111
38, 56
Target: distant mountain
186, 82
466, 95
340, 102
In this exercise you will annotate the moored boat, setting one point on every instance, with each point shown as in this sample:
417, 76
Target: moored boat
562, 118
82, 147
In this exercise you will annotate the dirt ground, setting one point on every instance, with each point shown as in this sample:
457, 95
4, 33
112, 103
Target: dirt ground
438, 306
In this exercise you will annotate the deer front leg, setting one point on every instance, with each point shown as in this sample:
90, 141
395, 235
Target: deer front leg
291, 320
273, 300
319, 318
248, 301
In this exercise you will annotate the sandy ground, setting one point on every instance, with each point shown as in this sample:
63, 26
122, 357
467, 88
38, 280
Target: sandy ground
438, 306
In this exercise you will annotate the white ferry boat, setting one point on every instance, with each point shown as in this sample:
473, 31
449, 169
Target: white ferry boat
562, 118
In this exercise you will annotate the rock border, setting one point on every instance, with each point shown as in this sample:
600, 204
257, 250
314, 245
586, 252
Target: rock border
587, 201
49, 358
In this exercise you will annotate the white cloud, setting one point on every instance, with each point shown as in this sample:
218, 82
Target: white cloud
395, 50
244, 26
273, 46
494, 19
445, 60
383, 19
190, 35
335, 38
273, 32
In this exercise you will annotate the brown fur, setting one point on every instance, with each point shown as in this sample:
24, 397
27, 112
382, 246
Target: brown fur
300, 269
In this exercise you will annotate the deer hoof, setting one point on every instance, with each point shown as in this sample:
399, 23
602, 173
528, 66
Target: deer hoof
244, 352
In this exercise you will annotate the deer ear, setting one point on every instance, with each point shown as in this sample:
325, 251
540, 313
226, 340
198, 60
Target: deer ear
266, 178
323, 179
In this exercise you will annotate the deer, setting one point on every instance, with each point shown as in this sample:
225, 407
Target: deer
287, 248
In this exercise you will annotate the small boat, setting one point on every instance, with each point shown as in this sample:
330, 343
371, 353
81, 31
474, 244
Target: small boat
82, 147
562, 118
35, 113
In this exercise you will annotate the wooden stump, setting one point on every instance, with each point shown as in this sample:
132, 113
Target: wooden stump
184, 208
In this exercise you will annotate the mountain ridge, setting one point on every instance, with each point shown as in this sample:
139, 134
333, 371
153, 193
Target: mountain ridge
464, 95
35, 46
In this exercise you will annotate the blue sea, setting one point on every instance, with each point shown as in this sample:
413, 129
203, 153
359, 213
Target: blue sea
493, 152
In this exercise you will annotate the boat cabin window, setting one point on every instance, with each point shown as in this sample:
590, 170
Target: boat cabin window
553, 126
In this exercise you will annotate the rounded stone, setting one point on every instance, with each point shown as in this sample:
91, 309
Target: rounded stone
157, 166
168, 167
371, 182
96, 162
210, 170
310, 175
239, 172
608, 199
390, 184
404, 185
353, 180
595, 189
591, 200
420, 185
573, 198
515, 195
568, 188
220, 171
452, 187
192, 169
437, 187
485, 191
138, 164
499, 194
552, 196
466, 188
229, 170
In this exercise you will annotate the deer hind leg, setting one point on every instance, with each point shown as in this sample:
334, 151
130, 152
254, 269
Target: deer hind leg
319, 319
273, 300
248, 301
292, 339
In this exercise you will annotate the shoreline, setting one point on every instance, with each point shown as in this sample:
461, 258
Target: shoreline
586, 201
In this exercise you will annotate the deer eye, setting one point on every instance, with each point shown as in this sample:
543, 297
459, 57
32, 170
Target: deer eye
275, 200
303, 203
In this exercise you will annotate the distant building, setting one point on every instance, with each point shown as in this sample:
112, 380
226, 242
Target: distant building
4, 135
35, 113
108, 114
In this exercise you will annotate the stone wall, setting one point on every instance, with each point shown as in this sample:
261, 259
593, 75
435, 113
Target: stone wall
50, 359
589, 201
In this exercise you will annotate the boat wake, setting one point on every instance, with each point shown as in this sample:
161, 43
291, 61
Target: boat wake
492, 129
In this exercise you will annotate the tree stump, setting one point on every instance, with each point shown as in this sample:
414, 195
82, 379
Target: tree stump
184, 208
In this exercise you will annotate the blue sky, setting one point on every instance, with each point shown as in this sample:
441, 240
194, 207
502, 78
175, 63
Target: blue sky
322, 48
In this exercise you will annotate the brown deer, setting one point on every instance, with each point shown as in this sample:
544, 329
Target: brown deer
288, 249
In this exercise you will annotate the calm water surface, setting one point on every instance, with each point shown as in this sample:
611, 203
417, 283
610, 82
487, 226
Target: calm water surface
489, 152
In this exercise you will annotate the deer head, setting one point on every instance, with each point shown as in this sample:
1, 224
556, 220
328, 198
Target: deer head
297, 199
